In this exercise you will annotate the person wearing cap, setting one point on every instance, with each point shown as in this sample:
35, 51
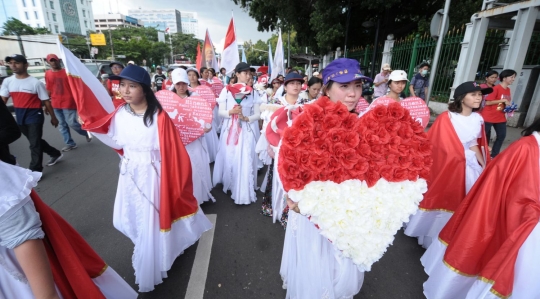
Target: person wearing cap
210, 137
489, 248
317, 75
313, 90
236, 162
396, 84
459, 148
157, 79
154, 206
336, 276
198, 149
63, 103
29, 94
381, 81
131, 62
113, 85
420, 83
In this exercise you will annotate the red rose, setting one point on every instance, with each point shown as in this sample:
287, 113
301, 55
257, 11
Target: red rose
372, 139
417, 127
336, 135
372, 177
392, 159
417, 163
379, 111
318, 162
323, 176
364, 150
321, 145
392, 126
403, 149
384, 137
413, 175
377, 152
333, 164
394, 143
405, 161
339, 176
292, 137
303, 123
320, 134
338, 149
428, 161
303, 158
373, 125
323, 102
361, 167
424, 148
405, 131
395, 111
306, 176
330, 121
387, 172
424, 173
350, 121
307, 138
349, 158
342, 112
351, 139
400, 174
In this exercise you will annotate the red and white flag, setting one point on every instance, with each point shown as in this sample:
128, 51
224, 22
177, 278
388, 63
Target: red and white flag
167, 30
230, 56
208, 54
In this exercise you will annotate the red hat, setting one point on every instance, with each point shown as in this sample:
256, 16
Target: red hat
52, 56
263, 79
278, 123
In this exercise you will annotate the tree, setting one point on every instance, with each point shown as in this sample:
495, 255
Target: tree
185, 44
256, 53
14, 26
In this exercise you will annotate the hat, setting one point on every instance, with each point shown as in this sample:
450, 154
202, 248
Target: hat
293, 77
277, 79
398, 75
263, 79
470, 86
315, 74
135, 74
158, 67
242, 66
170, 69
179, 75
194, 70
51, 56
16, 57
116, 62
131, 62
343, 70
386, 67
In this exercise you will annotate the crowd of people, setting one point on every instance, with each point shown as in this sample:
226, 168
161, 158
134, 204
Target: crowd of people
478, 217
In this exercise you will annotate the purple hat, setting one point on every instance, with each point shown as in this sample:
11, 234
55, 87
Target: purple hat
343, 70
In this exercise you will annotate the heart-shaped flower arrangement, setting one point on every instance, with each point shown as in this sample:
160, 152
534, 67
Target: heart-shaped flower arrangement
358, 179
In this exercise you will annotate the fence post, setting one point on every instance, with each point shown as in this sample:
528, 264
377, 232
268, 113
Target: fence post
364, 62
412, 64
387, 52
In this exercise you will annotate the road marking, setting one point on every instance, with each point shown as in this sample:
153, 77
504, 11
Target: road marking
199, 271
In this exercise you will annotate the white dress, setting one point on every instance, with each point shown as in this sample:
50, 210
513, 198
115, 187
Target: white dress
444, 283
311, 267
211, 138
136, 207
200, 170
16, 183
236, 164
426, 225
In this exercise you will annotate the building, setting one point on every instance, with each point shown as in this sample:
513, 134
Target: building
190, 23
59, 16
113, 21
161, 19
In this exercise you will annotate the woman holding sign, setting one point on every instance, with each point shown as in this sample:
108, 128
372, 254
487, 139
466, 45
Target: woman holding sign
211, 138
154, 205
236, 161
197, 150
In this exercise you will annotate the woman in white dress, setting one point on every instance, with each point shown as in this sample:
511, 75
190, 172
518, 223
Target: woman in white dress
198, 149
311, 266
236, 162
154, 205
210, 138
455, 138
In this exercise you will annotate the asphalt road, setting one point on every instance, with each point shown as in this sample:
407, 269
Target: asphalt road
246, 251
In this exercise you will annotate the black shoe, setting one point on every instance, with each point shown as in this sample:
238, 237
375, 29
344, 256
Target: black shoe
54, 160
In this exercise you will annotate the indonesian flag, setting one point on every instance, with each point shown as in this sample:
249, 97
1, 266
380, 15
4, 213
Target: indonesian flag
198, 61
208, 55
230, 57
96, 110
167, 30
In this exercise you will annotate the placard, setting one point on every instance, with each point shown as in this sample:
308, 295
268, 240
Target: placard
362, 106
206, 93
217, 87
416, 106
190, 115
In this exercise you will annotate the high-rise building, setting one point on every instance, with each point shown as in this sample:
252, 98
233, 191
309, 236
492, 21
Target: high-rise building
190, 23
161, 19
113, 21
59, 16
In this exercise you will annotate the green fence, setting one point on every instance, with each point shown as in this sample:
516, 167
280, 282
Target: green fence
364, 55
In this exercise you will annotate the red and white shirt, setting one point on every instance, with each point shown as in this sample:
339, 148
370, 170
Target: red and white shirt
27, 95
58, 85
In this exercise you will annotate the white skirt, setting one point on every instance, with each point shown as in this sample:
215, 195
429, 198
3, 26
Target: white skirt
311, 267
443, 283
200, 170
212, 144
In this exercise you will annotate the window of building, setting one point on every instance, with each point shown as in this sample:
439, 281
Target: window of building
23, 3
84, 13
82, 2
48, 16
54, 17
36, 15
52, 4
50, 28
45, 3
38, 26
56, 28
34, 3
26, 15
86, 24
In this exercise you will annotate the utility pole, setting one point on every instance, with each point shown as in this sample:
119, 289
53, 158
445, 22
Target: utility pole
289, 49
110, 39
347, 28
170, 42
435, 61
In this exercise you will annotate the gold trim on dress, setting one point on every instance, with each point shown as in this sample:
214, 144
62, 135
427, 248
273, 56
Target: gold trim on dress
442, 241
433, 210
456, 270
489, 281
180, 218
74, 76
102, 271
499, 294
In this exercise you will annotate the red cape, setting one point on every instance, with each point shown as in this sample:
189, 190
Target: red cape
74, 263
446, 182
177, 200
487, 230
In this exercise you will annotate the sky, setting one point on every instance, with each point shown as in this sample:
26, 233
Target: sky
212, 14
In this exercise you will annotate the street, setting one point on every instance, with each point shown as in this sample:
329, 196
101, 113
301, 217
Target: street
246, 247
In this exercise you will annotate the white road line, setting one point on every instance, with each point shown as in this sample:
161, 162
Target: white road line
199, 271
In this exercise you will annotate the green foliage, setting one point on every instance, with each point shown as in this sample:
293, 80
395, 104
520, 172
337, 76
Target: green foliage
256, 53
14, 26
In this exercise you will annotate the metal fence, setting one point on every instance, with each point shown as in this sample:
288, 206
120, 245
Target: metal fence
533, 53
411, 51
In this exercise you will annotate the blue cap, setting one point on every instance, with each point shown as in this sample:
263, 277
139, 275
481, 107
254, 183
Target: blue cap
343, 70
134, 73
293, 77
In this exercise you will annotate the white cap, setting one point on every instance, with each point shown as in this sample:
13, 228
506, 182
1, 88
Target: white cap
315, 74
131, 62
386, 67
398, 76
179, 75
193, 69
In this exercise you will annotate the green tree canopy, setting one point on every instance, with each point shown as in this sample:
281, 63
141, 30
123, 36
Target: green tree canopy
14, 26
